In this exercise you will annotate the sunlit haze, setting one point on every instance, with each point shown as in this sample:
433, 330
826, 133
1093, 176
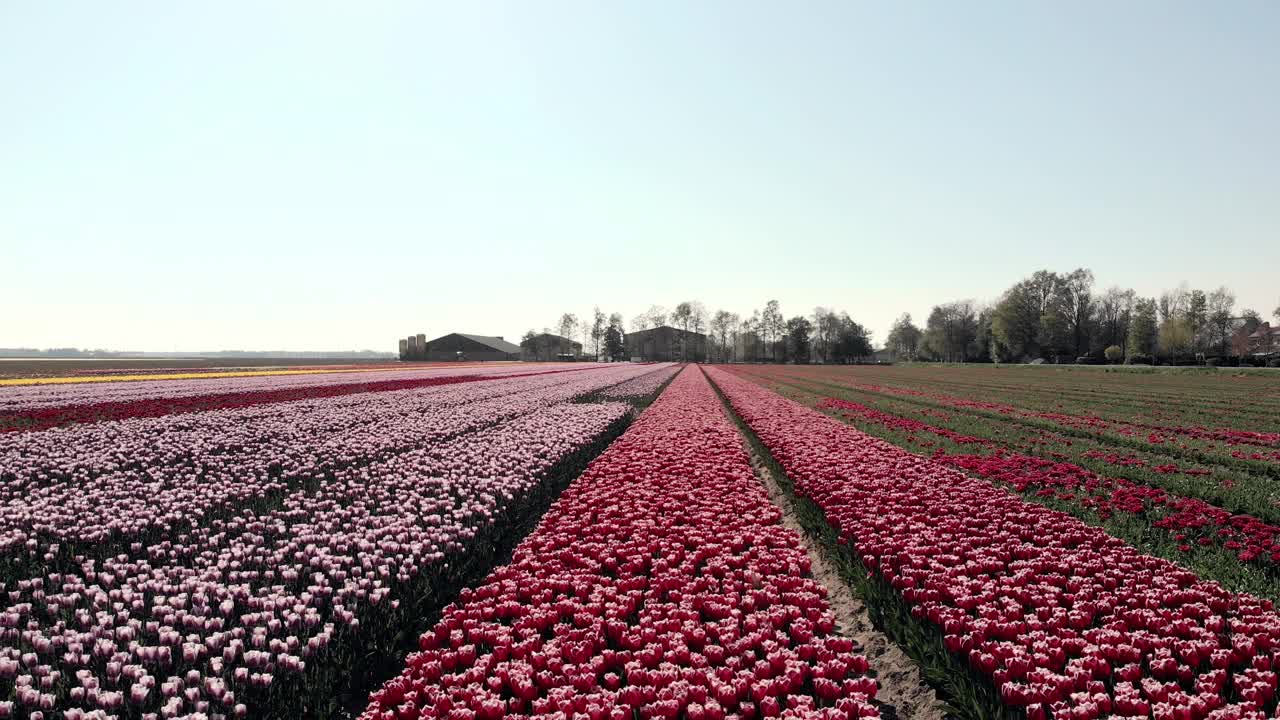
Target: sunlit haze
306, 176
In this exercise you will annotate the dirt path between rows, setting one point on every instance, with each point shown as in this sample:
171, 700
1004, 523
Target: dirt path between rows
898, 675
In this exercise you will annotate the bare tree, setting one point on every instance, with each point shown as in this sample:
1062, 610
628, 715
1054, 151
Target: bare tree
1075, 302
568, 327
951, 330
698, 324
1115, 309
904, 338
584, 332
735, 327
772, 325
1173, 303
751, 330
681, 317
697, 317
1219, 307
720, 325
657, 316
598, 325
826, 331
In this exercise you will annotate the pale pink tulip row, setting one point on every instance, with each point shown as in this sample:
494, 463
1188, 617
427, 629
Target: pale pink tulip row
176, 470
27, 397
212, 619
80, 451
641, 387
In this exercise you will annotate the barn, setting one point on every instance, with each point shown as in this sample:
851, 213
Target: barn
546, 346
463, 346
666, 344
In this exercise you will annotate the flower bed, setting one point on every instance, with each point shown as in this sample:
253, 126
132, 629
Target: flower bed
126, 482
661, 583
1061, 619
270, 612
643, 387
1220, 444
1188, 520
41, 407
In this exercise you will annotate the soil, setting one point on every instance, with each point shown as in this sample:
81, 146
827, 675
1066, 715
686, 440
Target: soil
900, 683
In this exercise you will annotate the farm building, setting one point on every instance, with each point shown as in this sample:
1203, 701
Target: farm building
413, 347
665, 344
1264, 340
547, 346
459, 346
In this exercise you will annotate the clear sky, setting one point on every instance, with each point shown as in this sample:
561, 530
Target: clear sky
269, 175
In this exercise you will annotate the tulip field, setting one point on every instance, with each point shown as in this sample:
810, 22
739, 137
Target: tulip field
614, 541
1049, 551
167, 556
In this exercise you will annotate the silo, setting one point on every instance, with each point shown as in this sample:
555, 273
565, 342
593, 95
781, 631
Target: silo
422, 346
404, 348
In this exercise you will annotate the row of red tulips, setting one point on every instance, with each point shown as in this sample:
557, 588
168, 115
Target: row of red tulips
1212, 441
1061, 619
660, 585
1193, 521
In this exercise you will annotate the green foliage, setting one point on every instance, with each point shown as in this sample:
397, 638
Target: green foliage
1176, 336
951, 331
1114, 353
1142, 330
614, 345
1197, 310
799, 330
853, 341
1017, 320
904, 338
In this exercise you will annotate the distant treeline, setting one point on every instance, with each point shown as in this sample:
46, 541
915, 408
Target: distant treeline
1058, 317
766, 335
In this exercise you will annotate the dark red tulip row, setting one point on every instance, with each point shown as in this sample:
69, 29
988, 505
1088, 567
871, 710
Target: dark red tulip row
1193, 520
1063, 620
45, 417
660, 585
1149, 433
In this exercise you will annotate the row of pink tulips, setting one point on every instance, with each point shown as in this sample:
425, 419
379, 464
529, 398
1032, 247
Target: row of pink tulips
1063, 620
28, 397
125, 481
660, 585
254, 614
641, 387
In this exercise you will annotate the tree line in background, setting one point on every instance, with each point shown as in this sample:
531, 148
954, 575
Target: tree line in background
1055, 317
1058, 317
765, 336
